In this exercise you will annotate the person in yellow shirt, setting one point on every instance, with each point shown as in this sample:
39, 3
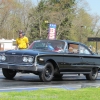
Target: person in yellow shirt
22, 41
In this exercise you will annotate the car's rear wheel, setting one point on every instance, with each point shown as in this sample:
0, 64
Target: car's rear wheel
8, 73
47, 74
93, 75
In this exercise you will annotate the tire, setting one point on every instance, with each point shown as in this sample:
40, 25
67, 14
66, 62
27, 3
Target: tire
8, 73
93, 75
47, 74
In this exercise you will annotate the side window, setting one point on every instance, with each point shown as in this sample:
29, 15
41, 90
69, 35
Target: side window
83, 50
73, 48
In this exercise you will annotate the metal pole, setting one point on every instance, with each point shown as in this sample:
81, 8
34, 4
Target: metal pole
96, 41
96, 47
81, 34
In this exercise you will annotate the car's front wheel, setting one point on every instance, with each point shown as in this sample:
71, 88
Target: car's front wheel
47, 74
8, 73
92, 75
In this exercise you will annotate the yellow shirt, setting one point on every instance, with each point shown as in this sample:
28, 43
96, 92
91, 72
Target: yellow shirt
22, 42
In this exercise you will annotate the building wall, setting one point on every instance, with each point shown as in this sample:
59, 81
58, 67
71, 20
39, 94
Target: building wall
6, 44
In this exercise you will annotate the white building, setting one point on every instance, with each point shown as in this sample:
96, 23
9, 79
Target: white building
7, 44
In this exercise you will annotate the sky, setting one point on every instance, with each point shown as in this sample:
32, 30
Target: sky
94, 6
35, 2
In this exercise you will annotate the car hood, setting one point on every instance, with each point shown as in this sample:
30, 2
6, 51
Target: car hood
28, 52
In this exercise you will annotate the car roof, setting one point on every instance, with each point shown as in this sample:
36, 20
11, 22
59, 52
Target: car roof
60, 40
67, 41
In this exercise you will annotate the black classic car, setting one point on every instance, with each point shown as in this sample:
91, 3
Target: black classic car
51, 59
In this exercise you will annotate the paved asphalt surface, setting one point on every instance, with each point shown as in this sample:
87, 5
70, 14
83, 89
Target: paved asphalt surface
32, 82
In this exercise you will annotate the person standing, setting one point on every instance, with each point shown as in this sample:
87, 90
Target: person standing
22, 41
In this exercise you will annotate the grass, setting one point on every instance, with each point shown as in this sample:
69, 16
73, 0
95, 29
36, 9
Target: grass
53, 94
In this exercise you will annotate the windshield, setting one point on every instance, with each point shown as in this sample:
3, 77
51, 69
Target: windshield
51, 45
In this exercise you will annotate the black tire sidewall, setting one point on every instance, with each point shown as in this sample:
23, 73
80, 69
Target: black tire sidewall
7, 74
42, 74
90, 76
93, 77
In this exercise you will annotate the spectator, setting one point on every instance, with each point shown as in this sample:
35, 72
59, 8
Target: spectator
22, 41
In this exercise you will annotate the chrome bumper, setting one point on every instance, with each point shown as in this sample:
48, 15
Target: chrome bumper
23, 67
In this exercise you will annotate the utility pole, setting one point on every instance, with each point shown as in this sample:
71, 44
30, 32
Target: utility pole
81, 31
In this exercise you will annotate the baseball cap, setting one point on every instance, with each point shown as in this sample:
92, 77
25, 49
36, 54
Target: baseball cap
20, 31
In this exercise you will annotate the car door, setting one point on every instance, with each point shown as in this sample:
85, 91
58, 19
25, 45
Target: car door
88, 58
72, 59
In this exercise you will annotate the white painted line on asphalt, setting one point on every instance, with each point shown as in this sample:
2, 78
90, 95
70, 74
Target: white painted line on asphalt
35, 88
29, 88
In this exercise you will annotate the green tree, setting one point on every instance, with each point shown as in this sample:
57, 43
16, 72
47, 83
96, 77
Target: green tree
53, 11
13, 17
